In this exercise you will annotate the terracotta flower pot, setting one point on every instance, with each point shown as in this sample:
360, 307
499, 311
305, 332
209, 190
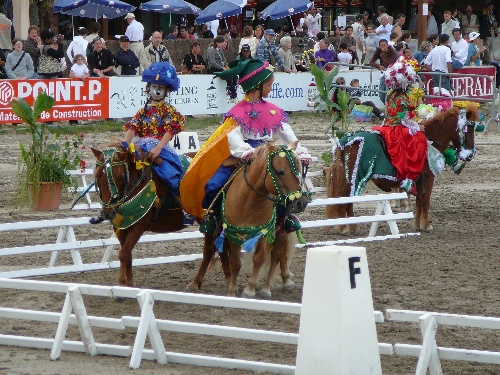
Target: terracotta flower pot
48, 198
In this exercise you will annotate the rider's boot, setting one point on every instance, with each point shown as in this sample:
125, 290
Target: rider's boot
187, 219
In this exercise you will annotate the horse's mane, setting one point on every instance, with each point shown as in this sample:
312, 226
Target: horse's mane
472, 113
114, 143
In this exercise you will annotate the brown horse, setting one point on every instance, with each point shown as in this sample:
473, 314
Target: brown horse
133, 199
443, 130
270, 180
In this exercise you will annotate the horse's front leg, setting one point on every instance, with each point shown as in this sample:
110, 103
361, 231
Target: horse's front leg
208, 254
259, 257
287, 254
128, 239
276, 257
234, 265
352, 228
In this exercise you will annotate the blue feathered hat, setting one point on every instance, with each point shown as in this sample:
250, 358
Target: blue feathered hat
162, 73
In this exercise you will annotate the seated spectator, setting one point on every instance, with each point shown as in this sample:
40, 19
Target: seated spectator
285, 52
79, 68
344, 57
335, 40
206, 33
355, 93
324, 55
249, 39
459, 50
19, 64
184, 33
101, 61
156, 51
434, 39
393, 39
319, 36
52, 52
126, 58
172, 32
193, 62
423, 52
474, 52
226, 34
245, 53
371, 43
32, 46
406, 39
216, 60
304, 33
79, 45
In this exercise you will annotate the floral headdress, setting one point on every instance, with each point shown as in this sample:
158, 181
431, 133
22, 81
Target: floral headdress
400, 76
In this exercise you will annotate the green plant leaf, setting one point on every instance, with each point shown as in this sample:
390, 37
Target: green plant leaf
335, 117
330, 76
319, 76
22, 110
43, 102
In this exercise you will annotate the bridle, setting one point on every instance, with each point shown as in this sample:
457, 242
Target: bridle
288, 196
116, 198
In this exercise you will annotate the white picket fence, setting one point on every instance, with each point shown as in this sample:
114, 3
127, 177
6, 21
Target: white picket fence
74, 312
67, 241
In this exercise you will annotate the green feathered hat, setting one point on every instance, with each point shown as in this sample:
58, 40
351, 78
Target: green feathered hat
251, 72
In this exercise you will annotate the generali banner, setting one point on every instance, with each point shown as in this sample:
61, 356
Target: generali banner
74, 99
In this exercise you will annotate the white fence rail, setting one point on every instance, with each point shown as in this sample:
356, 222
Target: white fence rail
74, 313
67, 241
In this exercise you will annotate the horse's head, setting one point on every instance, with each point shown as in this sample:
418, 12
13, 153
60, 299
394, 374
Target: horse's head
454, 126
111, 177
284, 168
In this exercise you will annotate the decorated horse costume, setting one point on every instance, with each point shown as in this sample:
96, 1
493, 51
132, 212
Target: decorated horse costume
133, 199
362, 157
257, 211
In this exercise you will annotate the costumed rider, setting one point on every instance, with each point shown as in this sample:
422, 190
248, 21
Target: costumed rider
250, 123
156, 124
405, 142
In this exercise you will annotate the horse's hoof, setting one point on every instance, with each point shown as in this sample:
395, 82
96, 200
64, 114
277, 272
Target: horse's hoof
192, 286
346, 231
289, 285
429, 228
265, 293
248, 293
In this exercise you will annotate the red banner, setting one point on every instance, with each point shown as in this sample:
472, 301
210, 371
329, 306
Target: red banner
471, 87
74, 99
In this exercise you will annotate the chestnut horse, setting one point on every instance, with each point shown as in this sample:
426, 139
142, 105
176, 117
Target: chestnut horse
270, 182
127, 188
445, 129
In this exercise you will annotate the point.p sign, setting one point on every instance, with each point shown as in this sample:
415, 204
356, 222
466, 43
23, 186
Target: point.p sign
74, 99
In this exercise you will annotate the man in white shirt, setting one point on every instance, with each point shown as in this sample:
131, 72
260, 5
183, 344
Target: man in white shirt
459, 50
449, 23
312, 21
439, 60
135, 33
385, 29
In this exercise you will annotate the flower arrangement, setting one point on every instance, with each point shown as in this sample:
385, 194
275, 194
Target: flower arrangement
48, 158
400, 76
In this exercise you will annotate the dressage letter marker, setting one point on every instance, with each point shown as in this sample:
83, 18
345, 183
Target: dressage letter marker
337, 334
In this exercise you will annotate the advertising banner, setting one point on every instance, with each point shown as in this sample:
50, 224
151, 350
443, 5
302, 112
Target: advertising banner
74, 99
200, 94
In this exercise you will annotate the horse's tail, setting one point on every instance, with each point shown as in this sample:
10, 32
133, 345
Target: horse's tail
336, 184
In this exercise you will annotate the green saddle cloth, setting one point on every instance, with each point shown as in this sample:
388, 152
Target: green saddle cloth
371, 160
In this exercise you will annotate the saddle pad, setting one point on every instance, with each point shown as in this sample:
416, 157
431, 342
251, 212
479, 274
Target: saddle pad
371, 160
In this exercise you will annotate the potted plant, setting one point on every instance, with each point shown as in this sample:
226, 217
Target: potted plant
340, 111
45, 162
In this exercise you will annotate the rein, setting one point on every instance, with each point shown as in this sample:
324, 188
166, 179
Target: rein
282, 198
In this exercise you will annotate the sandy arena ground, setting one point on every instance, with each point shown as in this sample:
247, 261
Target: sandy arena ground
454, 269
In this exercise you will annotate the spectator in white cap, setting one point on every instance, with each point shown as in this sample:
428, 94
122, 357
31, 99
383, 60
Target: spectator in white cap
135, 34
474, 52
267, 47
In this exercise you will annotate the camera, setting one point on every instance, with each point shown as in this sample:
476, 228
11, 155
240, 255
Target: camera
54, 39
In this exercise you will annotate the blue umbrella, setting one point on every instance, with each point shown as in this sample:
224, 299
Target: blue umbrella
284, 8
93, 8
170, 6
220, 9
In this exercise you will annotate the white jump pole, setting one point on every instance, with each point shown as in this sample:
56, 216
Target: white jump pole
337, 332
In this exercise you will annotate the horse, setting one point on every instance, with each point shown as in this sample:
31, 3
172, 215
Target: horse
133, 199
269, 182
442, 130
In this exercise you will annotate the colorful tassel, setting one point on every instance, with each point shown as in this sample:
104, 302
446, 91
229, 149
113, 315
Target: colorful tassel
249, 244
219, 242
301, 239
